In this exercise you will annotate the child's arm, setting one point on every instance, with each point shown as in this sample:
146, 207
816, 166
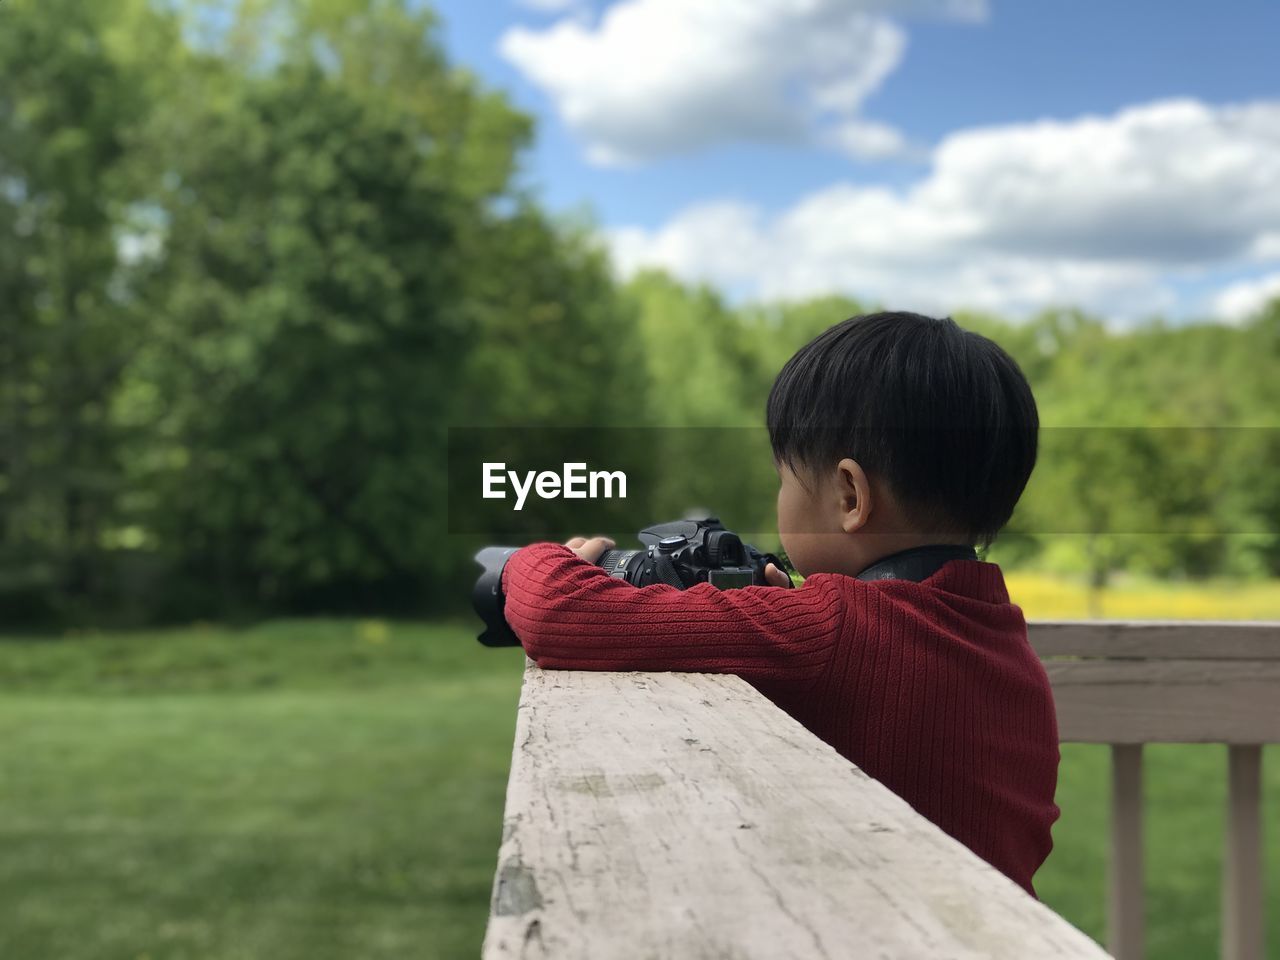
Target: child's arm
570, 614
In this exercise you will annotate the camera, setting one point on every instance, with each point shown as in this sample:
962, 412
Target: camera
681, 554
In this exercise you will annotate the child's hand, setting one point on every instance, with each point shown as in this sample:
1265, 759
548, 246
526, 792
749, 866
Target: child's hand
776, 577
590, 550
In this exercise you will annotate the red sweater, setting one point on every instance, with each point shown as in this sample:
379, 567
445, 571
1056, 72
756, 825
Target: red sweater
929, 687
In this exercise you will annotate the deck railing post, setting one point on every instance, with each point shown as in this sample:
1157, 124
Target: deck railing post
1242, 919
1128, 684
1126, 920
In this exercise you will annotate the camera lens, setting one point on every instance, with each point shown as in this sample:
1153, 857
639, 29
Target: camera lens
623, 564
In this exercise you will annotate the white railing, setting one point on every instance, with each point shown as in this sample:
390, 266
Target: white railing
684, 815
1127, 684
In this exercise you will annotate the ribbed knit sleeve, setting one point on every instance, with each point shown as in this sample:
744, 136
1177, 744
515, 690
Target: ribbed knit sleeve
570, 614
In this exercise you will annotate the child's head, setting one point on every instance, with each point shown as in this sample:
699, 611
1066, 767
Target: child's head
902, 429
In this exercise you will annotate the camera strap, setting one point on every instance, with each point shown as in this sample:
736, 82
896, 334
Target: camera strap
918, 563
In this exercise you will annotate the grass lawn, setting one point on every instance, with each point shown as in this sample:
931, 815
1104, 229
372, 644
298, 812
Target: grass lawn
301, 790
325, 789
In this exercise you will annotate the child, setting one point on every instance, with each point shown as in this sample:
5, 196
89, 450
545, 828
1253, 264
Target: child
900, 442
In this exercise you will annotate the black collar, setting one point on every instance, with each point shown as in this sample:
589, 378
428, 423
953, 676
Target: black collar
918, 563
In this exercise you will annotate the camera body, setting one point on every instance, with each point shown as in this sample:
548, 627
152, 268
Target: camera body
688, 552
681, 554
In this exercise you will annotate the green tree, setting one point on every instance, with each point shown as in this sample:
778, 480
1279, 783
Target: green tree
76, 90
347, 268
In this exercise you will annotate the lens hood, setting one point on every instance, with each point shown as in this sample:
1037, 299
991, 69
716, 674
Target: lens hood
488, 600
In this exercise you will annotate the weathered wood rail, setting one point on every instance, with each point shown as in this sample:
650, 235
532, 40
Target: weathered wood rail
1128, 684
683, 815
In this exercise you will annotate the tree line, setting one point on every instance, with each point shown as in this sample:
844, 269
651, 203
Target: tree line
257, 258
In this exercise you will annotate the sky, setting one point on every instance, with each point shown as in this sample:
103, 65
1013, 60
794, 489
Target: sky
932, 155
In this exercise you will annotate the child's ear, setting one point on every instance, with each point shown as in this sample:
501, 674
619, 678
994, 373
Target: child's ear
855, 495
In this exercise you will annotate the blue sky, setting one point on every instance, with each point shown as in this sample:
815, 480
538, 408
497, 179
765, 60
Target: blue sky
936, 154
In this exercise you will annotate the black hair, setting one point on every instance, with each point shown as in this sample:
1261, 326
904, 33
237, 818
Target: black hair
942, 415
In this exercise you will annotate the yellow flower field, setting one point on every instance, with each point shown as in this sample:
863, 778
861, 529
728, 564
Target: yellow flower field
1049, 597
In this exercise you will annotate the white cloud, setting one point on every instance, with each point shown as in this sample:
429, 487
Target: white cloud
719, 240
869, 140
1173, 181
1242, 300
848, 248
551, 6
1266, 247
658, 77
1098, 212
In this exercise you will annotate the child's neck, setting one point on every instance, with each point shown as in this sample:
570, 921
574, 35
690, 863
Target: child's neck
868, 549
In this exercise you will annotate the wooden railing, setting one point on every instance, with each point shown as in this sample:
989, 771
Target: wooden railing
676, 815
1128, 684
684, 815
